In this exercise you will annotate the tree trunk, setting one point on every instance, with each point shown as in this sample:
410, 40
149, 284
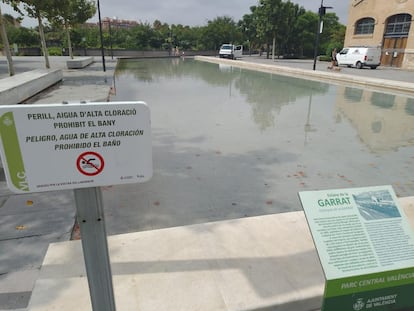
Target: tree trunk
69, 41
273, 48
6, 45
43, 40
267, 50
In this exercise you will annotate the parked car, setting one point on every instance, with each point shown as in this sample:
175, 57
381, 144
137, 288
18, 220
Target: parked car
360, 57
231, 51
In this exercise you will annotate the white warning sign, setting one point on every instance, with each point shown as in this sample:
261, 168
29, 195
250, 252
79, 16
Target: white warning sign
76, 145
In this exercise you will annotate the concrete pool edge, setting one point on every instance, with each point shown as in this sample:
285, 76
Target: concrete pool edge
252, 263
328, 76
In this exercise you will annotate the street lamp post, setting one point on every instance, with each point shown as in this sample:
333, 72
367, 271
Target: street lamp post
110, 39
322, 12
101, 35
170, 42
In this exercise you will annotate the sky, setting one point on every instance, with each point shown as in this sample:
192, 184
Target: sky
189, 12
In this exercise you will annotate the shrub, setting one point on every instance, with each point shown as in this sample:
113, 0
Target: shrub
55, 51
325, 58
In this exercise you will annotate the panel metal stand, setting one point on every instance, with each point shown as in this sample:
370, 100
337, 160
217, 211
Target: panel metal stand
90, 216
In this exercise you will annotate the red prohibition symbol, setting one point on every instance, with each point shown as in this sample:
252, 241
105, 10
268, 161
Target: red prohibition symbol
90, 163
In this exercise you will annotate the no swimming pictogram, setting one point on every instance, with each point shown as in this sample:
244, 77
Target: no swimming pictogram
90, 163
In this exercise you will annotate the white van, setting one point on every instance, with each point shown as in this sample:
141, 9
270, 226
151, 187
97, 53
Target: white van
360, 57
231, 51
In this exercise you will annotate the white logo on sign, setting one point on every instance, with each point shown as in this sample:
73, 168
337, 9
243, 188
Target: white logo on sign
359, 304
7, 121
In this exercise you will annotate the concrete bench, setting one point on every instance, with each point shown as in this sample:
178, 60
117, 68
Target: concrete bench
79, 63
17, 88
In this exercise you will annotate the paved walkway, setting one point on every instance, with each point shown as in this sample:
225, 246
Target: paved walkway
23, 241
255, 263
387, 73
29, 223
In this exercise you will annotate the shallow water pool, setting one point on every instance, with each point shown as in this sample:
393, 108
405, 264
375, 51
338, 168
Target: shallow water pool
229, 142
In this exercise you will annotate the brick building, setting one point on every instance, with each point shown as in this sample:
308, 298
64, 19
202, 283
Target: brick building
115, 23
384, 23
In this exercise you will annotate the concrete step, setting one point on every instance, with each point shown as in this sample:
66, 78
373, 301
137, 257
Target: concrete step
79, 62
257, 263
241, 264
17, 88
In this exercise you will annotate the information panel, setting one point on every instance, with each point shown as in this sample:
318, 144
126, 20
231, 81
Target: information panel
366, 248
75, 145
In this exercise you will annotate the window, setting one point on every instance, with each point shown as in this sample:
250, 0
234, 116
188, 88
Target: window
398, 25
409, 108
353, 94
382, 100
344, 51
365, 26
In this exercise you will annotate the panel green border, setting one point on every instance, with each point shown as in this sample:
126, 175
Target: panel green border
12, 152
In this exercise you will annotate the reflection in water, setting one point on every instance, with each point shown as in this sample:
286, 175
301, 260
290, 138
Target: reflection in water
383, 121
409, 108
376, 127
382, 100
353, 94
266, 93
156, 69
308, 126
231, 139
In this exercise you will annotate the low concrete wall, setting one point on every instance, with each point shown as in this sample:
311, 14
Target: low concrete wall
138, 54
16, 89
80, 62
115, 52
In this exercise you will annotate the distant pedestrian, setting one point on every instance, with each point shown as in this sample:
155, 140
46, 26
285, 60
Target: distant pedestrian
261, 51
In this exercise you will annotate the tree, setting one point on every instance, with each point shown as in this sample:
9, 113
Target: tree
333, 34
10, 20
22, 36
280, 24
140, 37
6, 45
306, 26
269, 14
36, 9
220, 30
288, 27
248, 28
69, 14
4, 37
182, 36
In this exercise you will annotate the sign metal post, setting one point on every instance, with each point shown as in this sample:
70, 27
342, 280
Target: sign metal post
90, 216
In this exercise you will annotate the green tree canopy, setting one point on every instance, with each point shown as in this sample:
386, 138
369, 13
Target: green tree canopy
70, 13
281, 24
220, 30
